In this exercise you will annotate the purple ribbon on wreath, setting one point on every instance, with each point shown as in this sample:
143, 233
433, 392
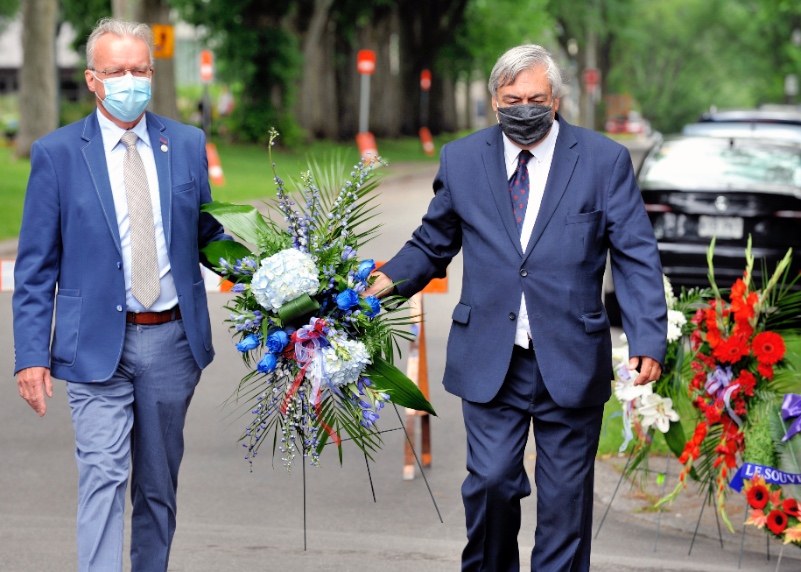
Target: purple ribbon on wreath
791, 407
719, 385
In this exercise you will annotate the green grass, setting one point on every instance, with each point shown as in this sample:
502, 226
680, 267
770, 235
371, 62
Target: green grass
13, 178
247, 171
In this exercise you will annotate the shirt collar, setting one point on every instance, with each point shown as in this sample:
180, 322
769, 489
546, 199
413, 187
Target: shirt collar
540, 152
113, 133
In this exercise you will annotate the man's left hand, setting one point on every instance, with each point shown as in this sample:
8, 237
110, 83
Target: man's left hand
650, 369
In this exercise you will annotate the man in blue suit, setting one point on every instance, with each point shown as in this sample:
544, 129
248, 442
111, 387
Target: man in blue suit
110, 237
535, 205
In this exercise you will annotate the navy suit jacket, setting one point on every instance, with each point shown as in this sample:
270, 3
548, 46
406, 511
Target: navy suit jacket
69, 252
591, 207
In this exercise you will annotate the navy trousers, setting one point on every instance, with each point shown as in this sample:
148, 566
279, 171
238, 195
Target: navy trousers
566, 442
133, 423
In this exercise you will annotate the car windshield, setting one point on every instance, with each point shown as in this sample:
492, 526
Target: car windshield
706, 163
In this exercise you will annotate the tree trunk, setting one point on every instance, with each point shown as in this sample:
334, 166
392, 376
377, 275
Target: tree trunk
38, 76
164, 101
316, 108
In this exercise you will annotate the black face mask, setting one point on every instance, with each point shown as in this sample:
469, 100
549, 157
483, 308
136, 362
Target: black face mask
527, 123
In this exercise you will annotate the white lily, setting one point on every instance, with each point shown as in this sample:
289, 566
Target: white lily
657, 410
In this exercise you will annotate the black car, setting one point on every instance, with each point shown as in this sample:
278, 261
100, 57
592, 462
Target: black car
696, 188
769, 115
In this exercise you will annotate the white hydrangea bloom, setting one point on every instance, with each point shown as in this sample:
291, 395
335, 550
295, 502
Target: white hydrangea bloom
283, 277
676, 320
344, 361
657, 410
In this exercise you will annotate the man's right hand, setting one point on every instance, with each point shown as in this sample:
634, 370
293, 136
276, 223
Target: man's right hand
381, 286
34, 383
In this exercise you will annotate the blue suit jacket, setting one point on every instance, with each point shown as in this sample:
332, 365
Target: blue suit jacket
70, 240
591, 206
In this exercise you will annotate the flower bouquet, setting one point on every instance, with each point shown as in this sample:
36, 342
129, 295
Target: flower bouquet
771, 510
649, 408
320, 355
745, 348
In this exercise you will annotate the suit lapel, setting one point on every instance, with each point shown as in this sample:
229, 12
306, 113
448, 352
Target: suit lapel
496, 174
95, 156
562, 166
160, 144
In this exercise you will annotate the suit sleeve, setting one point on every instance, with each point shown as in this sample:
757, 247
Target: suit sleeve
636, 269
209, 229
37, 266
433, 244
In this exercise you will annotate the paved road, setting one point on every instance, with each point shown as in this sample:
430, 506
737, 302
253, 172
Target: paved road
234, 518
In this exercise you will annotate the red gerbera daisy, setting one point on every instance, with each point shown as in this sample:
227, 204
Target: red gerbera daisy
777, 521
757, 496
768, 347
731, 349
790, 508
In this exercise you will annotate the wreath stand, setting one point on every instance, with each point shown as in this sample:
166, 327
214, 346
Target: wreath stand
707, 500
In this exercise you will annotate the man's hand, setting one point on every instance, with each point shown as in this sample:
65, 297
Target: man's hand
31, 381
381, 286
650, 369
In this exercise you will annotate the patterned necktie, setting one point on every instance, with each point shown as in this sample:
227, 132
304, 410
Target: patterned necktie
518, 187
145, 286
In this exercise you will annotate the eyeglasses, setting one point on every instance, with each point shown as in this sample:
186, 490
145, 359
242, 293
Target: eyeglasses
119, 72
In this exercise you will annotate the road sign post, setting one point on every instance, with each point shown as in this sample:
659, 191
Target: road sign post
365, 65
425, 134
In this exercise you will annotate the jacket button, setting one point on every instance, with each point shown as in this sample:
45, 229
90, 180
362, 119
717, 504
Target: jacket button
523, 272
512, 316
119, 308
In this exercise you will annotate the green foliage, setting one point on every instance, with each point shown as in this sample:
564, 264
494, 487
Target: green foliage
261, 54
490, 28
8, 8
758, 439
83, 16
678, 58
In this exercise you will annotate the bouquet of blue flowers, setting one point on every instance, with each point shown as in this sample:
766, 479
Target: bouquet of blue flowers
320, 354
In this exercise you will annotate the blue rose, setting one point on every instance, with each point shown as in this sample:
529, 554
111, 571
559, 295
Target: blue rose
347, 299
276, 341
365, 268
266, 364
249, 343
371, 305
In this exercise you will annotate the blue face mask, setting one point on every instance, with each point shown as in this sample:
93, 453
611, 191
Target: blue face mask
126, 96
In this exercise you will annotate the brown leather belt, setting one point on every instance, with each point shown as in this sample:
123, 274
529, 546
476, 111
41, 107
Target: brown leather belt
153, 318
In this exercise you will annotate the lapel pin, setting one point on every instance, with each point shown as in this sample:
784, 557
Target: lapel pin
163, 144
164, 148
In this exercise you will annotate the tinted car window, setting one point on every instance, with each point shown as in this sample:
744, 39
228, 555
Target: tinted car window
710, 163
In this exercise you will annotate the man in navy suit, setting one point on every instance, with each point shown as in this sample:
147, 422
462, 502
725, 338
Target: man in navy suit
110, 237
535, 205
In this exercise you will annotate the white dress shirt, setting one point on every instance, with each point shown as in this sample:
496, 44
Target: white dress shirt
538, 168
115, 153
